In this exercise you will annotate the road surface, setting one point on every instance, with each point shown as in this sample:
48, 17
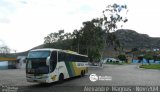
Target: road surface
122, 75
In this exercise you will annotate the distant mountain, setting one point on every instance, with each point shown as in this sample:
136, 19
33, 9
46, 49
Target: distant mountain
131, 39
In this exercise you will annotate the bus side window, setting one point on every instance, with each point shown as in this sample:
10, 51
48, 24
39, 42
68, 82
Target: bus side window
86, 59
64, 56
75, 58
72, 58
61, 56
54, 56
83, 59
78, 58
68, 57
53, 60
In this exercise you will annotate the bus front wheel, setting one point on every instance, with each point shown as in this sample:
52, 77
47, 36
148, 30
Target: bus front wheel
61, 78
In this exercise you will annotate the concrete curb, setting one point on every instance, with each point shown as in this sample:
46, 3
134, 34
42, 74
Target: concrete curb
138, 67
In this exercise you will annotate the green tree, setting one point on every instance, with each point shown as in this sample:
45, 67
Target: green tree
54, 37
112, 16
4, 50
155, 58
134, 52
140, 58
148, 57
93, 37
158, 58
76, 40
134, 49
59, 40
89, 39
122, 57
67, 41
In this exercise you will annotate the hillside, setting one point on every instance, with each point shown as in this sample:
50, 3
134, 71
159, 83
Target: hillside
131, 39
128, 38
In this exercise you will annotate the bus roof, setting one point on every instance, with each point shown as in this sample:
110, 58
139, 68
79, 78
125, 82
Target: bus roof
60, 50
46, 49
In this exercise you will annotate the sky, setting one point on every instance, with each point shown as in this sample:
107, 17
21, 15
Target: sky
25, 23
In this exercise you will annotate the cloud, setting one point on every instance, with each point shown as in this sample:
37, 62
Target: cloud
7, 8
2, 43
30, 21
3, 20
23, 2
25, 23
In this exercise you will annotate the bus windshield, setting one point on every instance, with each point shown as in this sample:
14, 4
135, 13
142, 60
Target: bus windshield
38, 54
36, 62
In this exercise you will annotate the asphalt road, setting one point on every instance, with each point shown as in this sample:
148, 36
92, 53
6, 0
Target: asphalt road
122, 75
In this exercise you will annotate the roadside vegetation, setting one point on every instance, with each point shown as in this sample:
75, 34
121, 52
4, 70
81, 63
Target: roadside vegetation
150, 57
152, 66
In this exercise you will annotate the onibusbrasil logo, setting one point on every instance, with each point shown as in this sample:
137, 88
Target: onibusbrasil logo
94, 77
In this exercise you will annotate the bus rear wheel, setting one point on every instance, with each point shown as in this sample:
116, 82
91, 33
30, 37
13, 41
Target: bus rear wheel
82, 73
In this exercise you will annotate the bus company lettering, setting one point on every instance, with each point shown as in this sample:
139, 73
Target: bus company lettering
81, 64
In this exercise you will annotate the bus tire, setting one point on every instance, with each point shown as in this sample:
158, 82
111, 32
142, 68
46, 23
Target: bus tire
61, 78
82, 73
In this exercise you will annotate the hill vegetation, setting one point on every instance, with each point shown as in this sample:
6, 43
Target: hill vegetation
132, 39
128, 39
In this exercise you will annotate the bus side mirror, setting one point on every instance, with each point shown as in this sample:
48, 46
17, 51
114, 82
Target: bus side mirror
47, 61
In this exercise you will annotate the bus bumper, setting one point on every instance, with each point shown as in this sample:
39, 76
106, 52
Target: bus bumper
40, 79
37, 80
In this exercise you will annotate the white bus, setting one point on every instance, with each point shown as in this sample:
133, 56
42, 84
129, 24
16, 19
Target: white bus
50, 65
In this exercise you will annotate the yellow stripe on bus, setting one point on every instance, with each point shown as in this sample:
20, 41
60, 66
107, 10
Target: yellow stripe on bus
77, 70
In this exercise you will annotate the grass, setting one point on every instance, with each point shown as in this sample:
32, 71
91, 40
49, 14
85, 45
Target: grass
152, 66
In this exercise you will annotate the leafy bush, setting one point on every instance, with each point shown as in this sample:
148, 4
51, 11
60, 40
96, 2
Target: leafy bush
140, 58
122, 57
158, 58
148, 57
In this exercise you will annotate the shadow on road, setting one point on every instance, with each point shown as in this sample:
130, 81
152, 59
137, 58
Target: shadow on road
52, 87
41, 85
